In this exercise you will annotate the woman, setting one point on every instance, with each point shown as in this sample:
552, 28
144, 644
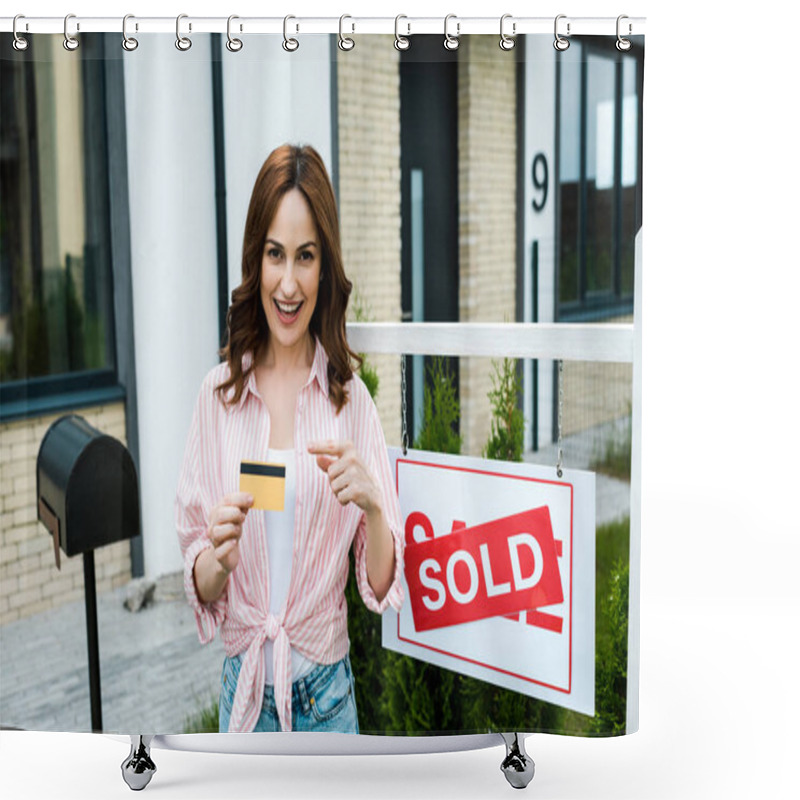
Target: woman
273, 581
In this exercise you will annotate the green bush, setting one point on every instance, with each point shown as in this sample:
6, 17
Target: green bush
441, 412
204, 720
611, 669
508, 424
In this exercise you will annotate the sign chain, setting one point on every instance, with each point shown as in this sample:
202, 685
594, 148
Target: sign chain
560, 459
403, 396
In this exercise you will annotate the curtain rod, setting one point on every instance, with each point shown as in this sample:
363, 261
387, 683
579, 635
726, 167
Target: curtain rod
348, 25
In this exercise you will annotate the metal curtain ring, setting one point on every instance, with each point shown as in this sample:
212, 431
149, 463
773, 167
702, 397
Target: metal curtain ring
233, 45
451, 42
560, 43
128, 42
401, 42
183, 43
289, 45
70, 42
623, 45
345, 42
507, 42
20, 43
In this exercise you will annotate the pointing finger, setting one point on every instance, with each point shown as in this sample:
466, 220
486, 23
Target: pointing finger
329, 447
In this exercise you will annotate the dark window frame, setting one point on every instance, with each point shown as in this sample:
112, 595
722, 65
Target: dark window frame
36, 396
612, 303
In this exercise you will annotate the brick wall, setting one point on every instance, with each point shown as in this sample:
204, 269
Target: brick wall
487, 154
369, 196
29, 580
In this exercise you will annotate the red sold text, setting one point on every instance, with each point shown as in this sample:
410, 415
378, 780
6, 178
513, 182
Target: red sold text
497, 568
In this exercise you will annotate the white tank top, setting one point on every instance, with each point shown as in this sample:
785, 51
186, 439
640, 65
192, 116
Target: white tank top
280, 548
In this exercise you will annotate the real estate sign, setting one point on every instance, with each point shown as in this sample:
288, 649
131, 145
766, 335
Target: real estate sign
499, 573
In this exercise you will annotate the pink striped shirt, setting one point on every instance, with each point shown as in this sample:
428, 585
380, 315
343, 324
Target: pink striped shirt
314, 617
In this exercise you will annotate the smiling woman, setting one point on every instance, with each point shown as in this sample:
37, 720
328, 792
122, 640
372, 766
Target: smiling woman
292, 179
290, 276
268, 565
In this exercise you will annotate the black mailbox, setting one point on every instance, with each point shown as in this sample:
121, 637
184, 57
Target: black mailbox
88, 496
86, 487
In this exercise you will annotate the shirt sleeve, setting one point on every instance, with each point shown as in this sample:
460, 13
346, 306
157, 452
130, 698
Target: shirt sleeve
191, 522
377, 457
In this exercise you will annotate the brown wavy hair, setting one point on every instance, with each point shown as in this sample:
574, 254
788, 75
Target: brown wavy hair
290, 167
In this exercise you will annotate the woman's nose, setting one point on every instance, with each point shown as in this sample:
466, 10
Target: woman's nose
288, 279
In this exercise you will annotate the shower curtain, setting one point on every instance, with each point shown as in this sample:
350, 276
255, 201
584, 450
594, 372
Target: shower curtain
476, 185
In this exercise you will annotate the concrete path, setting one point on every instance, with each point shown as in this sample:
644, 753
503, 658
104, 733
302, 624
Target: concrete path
612, 496
153, 670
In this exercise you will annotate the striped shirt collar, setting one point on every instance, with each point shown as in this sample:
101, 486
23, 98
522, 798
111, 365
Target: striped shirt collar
319, 371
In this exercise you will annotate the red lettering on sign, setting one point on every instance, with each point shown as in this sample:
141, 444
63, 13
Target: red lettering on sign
418, 520
539, 619
497, 568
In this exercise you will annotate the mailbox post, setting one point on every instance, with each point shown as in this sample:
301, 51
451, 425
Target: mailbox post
87, 496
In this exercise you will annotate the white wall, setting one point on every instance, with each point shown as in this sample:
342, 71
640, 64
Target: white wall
270, 97
174, 265
540, 125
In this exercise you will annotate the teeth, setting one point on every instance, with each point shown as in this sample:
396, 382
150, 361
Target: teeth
286, 308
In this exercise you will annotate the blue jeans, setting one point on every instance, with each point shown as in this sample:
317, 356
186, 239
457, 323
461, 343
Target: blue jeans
324, 700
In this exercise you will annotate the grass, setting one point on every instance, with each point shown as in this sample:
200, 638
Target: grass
204, 720
616, 459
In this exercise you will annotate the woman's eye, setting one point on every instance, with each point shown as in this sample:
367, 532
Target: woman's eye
273, 253
306, 255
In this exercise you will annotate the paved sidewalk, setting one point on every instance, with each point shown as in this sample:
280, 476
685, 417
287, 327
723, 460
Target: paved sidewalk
613, 496
153, 670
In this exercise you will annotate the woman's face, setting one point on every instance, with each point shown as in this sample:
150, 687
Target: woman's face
290, 272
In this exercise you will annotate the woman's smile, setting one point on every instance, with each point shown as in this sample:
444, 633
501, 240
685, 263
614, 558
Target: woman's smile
288, 313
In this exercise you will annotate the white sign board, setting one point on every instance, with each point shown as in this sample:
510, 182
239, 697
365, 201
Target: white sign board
499, 573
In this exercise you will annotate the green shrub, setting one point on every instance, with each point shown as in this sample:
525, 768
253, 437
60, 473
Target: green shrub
611, 678
418, 697
507, 436
441, 412
205, 720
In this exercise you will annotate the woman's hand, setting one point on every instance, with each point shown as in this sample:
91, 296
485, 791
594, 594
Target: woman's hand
352, 482
349, 477
225, 528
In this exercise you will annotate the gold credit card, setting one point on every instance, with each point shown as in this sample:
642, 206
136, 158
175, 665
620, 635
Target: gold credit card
266, 482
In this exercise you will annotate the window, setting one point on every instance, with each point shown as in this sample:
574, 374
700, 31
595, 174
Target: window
56, 294
599, 186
